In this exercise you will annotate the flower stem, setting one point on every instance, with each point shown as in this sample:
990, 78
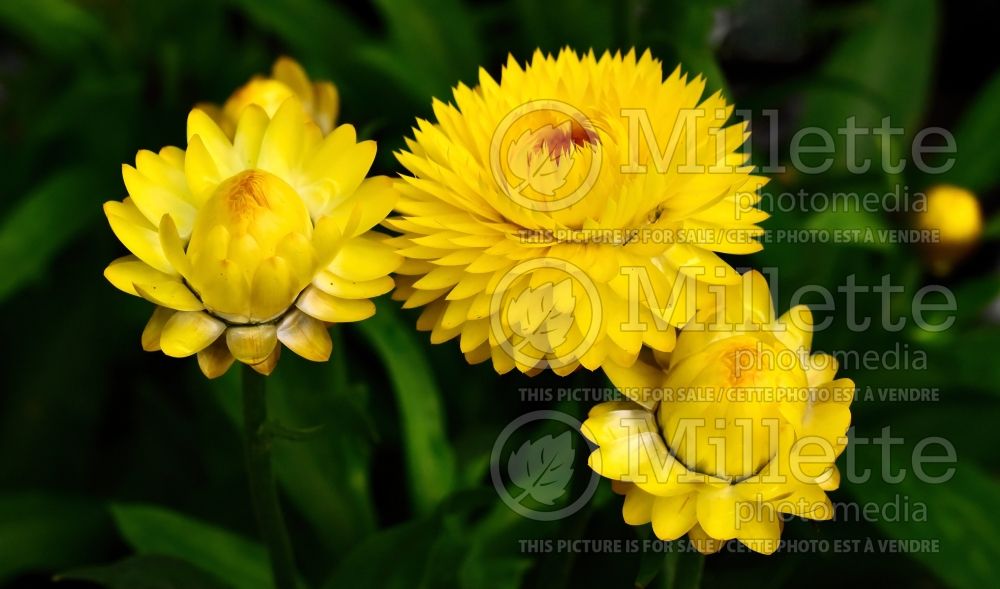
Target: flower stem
683, 567
263, 490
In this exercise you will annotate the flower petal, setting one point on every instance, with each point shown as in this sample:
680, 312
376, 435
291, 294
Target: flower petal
674, 516
169, 293
189, 332
267, 366
306, 336
215, 360
252, 344
124, 272
331, 309
154, 329
137, 234
272, 290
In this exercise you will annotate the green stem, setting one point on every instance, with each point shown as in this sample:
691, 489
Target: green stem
682, 569
263, 490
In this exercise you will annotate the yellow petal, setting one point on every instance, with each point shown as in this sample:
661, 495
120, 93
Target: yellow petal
267, 366
252, 344
334, 285
124, 272
283, 140
169, 293
173, 247
341, 163
203, 176
374, 198
702, 542
189, 332
717, 512
331, 309
215, 141
821, 369
365, 258
638, 507
761, 531
272, 290
290, 73
612, 425
306, 336
249, 134
137, 234
794, 329
215, 360
155, 200
674, 516
154, 328
640, 382
296, 249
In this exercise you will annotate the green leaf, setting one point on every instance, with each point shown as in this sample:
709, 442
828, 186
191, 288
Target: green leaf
320, 31
961, 515
56, 27
151, 571
680, 33
977, 161
42, 223
396, 557
276, 429
992, 229
326, 475
434, 41
542, 469
44, 531
430, 460
150, 529
856, 228
580, 24
882, 68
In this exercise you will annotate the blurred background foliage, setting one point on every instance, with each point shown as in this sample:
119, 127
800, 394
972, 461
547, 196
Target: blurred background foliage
124, 468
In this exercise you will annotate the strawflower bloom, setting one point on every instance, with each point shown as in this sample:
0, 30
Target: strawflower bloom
251, 243
732, 432
954, 215
320, 100
548, 214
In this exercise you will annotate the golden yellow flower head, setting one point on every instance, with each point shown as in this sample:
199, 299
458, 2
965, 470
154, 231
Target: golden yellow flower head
254, 241
739, 425
955, 215
549, 216
320, 100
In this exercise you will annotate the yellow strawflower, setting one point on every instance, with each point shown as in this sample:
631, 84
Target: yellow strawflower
320, 100
737, 426
548, 217
248, 243
955, 215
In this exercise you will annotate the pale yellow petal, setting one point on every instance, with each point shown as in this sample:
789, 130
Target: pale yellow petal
189, 332
674, 516
215, 360
154, 329
126, 271
332, 309
306, 336
271, 292
252, 344
267, 366
137, 234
